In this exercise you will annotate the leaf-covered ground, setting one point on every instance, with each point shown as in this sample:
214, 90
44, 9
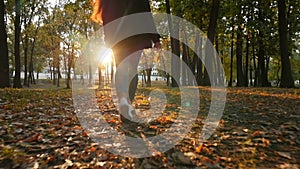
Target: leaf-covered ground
259, 129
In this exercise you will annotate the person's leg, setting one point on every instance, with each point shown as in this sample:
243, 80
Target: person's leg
127, 75
126, 79
122, 84
122, 80
125, 87
133, 73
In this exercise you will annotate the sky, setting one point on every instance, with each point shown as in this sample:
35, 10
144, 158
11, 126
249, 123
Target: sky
52, 2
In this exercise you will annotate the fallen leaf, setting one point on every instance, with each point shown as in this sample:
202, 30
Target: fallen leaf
93, 149
256, 133
85, 133
199, 148
78, 128
266, 142
285, 155
153, 127
31, 139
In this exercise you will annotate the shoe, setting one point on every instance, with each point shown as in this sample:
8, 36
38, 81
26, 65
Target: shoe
126, 109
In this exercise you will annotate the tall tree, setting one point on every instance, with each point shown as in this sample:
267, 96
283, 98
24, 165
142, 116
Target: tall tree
231, 59
209, 52
239, 48
262, 72
286, 72
246, 78
27, 16
4, 62
17, 78
175, 45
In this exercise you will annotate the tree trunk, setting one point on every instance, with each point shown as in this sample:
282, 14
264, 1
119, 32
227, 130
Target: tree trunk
239, 60
175, 45
231, 59
51, 72
144, 77
26, 83
30, 79
262, 71
254, 66
194, 58
148, 72
4, 61
286, 72
184, 61
90, 75
54, 76
199, 75
209, 51
112, 65
31, 75
262, 78
99, 76
58, 75
218, 63
17, 78
239, 52
246, 83
70, 63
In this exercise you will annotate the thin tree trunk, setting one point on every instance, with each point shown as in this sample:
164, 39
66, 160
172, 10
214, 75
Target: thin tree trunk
250, 73
99, 76
277, 74
286, 72
25, 83
254, 66
90, 75
218, 63
17, 78
209, 51
246, 83
231, 59
69, 66
51, 72
4, 61
193, 65
31, 75
54, 70
112, 70
268, 84
184, 61
261, 62
239, 52
27, 20
262, 75
148, 71
58, 75
199, 75
175, 45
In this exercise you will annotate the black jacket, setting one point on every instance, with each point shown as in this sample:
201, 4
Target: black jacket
115, 9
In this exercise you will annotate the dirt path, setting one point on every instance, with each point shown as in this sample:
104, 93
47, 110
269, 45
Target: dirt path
259, 129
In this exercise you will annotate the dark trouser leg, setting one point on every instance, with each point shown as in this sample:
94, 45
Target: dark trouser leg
128, 71
126, 81
126, 75
133, 87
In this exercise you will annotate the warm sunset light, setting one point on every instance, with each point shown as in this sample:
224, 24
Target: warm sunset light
128, 84
105, 56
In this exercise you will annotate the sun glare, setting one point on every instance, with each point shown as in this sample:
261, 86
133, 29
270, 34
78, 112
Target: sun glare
105, 56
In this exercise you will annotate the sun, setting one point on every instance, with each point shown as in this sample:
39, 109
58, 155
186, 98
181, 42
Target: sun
105, 56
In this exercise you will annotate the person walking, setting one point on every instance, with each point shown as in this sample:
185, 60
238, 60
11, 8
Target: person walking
127, 51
